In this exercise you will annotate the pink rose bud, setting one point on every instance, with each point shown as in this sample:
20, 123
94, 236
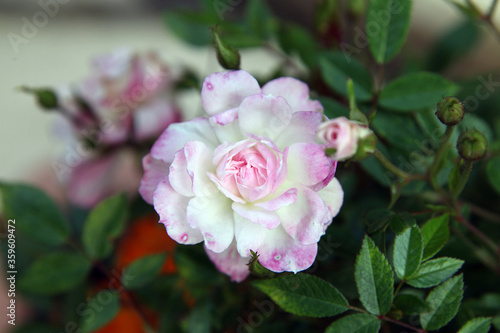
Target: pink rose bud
346, 139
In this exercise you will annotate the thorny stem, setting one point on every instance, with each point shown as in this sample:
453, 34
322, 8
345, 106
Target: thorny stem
488, 16
378, 86
486, 214
380, 78
400, 323
390, 320
463, 180
472, 228
388, 164
434, 169
487, 261
398, 288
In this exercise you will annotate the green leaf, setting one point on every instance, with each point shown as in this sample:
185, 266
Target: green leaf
104, 306
472, 121
493, 172
444, 301
194, 266
408, 250
104, 224
387, 25
332, 108
200, 319
435, 233
55, 273
375, 169
260, 18
374, 278
378, 219
435, 271
191, 27
336, 69
457, 43
143, 270
401, 221
293, 38
35, 327
477, 325
400, 130
416, 91
37, 216
304, 295
239, 36
356, 323
411, 304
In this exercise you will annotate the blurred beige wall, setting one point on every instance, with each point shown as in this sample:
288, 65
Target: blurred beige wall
59, 53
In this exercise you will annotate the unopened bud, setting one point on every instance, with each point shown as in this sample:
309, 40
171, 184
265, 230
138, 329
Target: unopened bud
450, 111
228, 56
345, 139
472, 145
45, 97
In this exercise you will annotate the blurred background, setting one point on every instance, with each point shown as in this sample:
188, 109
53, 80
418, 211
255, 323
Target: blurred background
58, 52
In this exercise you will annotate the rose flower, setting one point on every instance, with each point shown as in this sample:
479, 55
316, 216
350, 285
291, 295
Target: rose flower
249, 177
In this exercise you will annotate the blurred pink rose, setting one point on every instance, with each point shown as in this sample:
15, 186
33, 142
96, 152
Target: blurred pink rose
126, 101
343, 135
249, 177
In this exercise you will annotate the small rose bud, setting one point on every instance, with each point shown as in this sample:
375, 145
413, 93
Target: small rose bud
228, 56
46, 98
450, 111
346, 139
472, 145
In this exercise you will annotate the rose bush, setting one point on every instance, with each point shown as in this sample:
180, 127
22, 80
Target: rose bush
248, 177
127, 99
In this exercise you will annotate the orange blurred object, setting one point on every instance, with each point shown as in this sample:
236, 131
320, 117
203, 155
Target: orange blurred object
143, 237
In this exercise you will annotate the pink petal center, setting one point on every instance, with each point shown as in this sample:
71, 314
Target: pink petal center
250, 171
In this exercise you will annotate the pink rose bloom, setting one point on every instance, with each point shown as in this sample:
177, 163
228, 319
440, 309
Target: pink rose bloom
343, 135
127, 100
128, 97
249, 177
